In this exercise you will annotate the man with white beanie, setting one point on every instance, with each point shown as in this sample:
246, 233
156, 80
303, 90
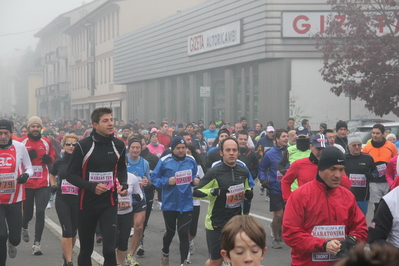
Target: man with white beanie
361, 169
42, 154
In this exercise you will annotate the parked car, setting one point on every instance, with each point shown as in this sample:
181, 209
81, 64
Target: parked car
354, 123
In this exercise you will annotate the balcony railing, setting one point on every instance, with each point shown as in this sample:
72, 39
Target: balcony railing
50, 58
59, 89
62, 52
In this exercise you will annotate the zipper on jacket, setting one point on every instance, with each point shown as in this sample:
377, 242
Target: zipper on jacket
328, 207
232, 174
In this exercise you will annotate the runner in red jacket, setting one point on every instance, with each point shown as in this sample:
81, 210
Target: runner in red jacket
322, 220
42, 154
305, 170
15, 169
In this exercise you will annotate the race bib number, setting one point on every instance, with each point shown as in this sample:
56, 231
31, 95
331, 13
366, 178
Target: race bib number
327, 232
7, 183
381, 169
68, 188
358, 180
183, 177
235, 196
211, 141
124, 202
37, 171
106, 178
279, 176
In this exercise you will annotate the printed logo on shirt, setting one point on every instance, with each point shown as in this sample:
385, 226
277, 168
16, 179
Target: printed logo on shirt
5, 161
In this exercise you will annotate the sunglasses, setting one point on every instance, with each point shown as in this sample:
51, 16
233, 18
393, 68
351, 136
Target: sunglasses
70, 143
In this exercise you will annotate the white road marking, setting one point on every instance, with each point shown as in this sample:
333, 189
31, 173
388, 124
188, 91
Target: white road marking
95, 256
252, 214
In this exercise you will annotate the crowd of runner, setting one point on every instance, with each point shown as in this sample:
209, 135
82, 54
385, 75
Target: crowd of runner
105, 174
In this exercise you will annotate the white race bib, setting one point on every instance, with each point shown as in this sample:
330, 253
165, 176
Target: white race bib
7, 183
381, 169
37, 171
358, 180
106, 178
327, 232
183, 177
235, 196
68, 188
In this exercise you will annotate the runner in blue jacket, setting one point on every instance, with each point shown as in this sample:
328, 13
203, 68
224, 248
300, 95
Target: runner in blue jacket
175, 174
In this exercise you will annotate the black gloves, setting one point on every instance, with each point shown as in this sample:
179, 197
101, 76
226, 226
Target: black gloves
219, 191
124, 187
249, 194
53, 189
47, 159
136, 197
22, 178
346, 245
265, 184
32, 154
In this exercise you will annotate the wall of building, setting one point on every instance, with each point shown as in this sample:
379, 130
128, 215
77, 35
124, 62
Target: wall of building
34, 81
311, 98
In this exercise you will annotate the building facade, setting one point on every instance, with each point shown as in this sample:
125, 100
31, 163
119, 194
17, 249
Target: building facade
91, 58
54, 96
228, 59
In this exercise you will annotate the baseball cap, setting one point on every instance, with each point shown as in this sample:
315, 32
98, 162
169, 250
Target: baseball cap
302, 132
319, 141
270, 129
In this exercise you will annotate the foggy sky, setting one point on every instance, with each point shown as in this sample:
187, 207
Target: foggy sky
25, 15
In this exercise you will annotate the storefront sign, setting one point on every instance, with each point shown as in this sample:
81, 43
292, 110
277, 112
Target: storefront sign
306, 24
205, 91
217, 38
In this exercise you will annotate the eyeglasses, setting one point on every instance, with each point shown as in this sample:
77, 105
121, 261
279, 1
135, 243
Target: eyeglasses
356, 145
70, 143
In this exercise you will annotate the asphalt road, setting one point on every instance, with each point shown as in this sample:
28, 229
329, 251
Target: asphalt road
51, 244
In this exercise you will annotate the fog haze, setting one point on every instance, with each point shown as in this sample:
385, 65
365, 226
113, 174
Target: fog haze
21, 19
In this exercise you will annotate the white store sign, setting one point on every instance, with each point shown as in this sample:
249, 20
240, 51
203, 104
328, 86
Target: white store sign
205, 91
305, 24
213, 39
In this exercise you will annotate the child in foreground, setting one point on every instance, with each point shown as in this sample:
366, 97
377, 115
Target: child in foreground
243, 241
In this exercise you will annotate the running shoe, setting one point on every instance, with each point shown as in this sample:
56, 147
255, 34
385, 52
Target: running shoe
140, 250
48, 205
164, 261
131, 261
188, 258
36, 250
132, 231
69, 264
185, 263
25, 235
192, 247
12, 251
276, 244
